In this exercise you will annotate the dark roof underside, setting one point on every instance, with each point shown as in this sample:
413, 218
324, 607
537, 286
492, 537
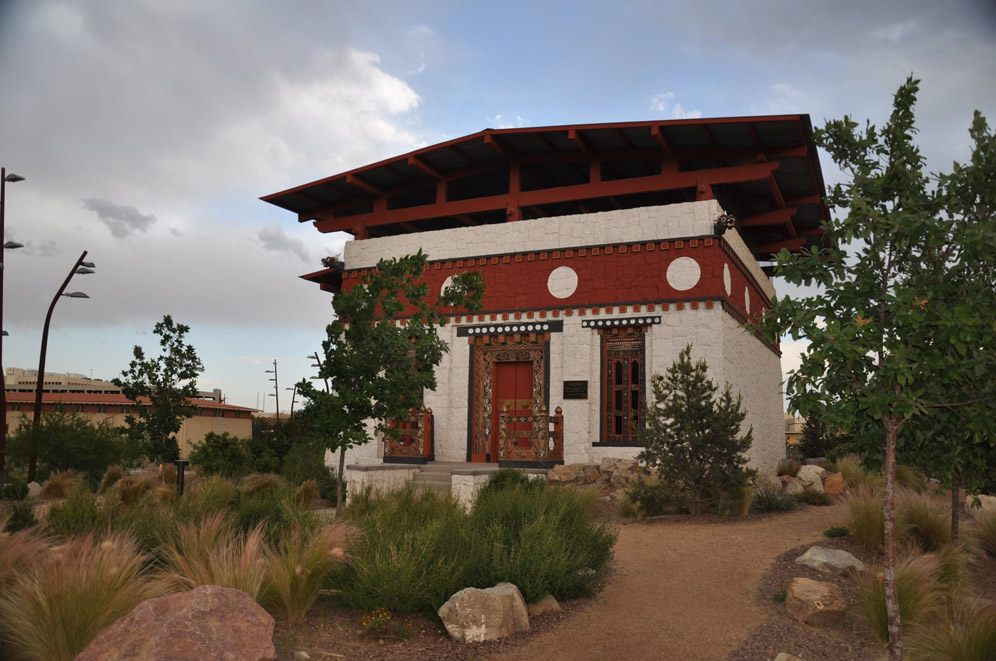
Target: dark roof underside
763, 170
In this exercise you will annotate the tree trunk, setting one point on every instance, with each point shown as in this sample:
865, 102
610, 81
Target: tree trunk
339, 482
889, 516
955, 505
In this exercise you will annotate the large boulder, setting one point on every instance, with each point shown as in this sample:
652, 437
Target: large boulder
834, 485
547, 604
811, 477
565, 473
988, 505
792, 486
814, 602
208, 622
830, 560
473, 615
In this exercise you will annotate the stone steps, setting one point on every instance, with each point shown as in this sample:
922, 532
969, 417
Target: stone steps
437, 476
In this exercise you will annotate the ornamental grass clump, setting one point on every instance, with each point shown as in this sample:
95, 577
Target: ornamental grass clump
82, 512
60, 484
864, 507
921, 521
211, 552
854, 473
969, 635
984, 531
54, 608
111, 477
18, 550
297, 568
921, 595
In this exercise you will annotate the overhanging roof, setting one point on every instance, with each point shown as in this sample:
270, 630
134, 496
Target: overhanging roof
763, 170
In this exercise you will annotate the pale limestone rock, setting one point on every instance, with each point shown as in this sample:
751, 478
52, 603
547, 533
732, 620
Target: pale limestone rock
785, 656
814, 602
473, 615
547, 604
830, 560
988, 505
34, 490
811, 477
793, 487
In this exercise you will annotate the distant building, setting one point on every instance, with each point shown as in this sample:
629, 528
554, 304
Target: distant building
22, 380
212, 416
793, 429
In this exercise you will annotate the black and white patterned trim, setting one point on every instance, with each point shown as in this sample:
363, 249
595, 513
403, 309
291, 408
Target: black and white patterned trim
629, 321
507, 327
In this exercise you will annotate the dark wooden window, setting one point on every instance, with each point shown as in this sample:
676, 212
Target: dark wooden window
623, 375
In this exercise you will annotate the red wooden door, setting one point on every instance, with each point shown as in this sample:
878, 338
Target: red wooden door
513, 385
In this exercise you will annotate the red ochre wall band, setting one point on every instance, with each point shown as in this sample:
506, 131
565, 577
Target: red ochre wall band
621, 277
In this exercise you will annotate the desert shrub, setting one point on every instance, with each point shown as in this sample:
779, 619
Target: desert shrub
769, 499
920, 594
19, 550
60, 484
306, 461
693, 437
13, 484
737, 502
82, 512
152, 525
506, 478
864, 508
20, 517
649, 496
68, 440
984, 531
270, 503
211, 552
911, 478
59, 604
297, 567
818, 498
836, 531
921, 522
788, 467
969, 635
542, 538
411, 551
306, 494
220, 454
111, 477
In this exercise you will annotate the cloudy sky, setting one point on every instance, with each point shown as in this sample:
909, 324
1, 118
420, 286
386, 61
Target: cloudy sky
147, 131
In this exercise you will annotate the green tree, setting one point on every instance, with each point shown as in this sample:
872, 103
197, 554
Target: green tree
378, 368
161, 388
890, 326
692, 437
815, 440
66, 440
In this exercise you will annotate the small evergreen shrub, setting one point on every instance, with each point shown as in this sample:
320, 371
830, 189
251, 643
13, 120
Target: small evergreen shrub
649, 496
507, 478
220, 454
81, 513
769, 499
13, 484
836, 531
21, 517
780, 596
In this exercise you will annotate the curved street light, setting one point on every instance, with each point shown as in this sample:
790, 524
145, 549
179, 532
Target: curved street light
9, 245
36, 421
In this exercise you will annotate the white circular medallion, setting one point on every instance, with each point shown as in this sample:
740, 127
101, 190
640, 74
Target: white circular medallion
727, 282
747, 299
446, 283
683, 273
563, 281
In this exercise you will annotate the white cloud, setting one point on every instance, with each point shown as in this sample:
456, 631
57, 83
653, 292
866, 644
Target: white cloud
664, 103
123, 220
273, 237
500, 122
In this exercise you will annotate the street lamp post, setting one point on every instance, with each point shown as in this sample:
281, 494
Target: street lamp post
80, 267
9, 245
276, 390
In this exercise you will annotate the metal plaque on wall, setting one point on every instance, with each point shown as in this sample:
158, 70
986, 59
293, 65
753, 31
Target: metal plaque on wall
575, 390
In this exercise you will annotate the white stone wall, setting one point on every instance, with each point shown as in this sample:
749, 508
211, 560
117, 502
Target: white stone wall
623, 226
464, 486
390, 478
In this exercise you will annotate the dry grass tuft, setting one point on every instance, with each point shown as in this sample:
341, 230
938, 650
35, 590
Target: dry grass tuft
855, 474
19, 550
921, 596
864, 506
306, 494
969, 635
73, 592
60, 484
132, 488
210, 552
259, 483
984, 531
296, 568
111, 477
922, 522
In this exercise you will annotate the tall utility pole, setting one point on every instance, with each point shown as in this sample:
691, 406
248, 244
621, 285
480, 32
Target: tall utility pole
276, 389
7, 245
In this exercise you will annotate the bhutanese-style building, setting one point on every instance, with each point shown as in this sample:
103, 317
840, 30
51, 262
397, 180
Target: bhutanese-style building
605, 249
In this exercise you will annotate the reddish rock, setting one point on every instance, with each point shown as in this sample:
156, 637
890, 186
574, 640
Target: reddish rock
209, 622
833, 486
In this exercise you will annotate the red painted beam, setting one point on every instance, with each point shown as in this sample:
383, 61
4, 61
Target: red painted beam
658, 135
502, 150
424, 167
581, 143
778, 217
353, 180
791, 244
665, 181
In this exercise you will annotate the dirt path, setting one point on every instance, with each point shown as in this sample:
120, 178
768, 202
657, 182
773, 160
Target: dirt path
681, 590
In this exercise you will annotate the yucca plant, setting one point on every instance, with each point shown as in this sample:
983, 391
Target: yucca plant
61, 602
210, 552
769, 499
920, 593
296, 568
970, 635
